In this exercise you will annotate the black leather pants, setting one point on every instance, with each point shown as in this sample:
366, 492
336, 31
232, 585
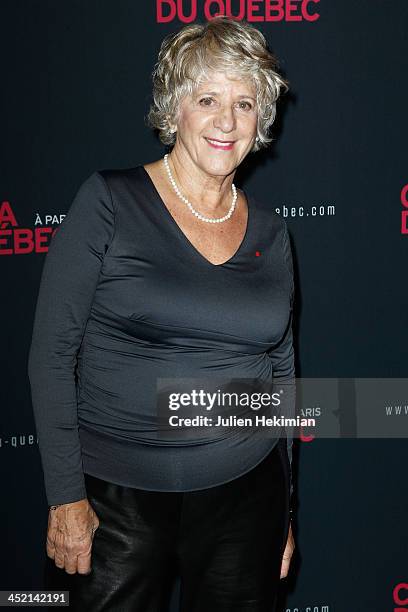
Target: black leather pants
225, 543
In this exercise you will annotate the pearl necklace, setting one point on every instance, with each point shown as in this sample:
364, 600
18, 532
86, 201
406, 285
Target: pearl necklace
195, 212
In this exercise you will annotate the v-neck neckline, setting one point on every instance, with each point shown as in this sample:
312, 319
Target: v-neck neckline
184, 237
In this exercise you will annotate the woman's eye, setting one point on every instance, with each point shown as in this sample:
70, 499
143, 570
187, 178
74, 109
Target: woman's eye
249, 105
204, 100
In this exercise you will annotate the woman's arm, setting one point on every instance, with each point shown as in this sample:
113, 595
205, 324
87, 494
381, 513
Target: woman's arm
68, 283
283, 359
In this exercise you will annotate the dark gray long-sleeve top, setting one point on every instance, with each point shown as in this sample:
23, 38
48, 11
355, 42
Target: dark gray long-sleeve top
125, 300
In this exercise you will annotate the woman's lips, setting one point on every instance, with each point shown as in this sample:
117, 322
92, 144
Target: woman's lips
223, 146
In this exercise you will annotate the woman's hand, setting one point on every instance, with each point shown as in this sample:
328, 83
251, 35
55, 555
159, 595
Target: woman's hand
71, 528
287, 555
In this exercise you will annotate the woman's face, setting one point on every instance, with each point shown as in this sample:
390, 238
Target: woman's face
220, 109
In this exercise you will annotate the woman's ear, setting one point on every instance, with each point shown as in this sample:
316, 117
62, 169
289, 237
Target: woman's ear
172, 125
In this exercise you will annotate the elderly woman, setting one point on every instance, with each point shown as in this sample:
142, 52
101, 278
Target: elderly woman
167, 271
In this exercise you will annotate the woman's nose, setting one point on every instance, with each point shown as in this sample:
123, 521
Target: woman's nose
225, 119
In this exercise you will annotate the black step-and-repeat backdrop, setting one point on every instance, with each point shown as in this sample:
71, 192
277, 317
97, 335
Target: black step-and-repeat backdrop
75, 81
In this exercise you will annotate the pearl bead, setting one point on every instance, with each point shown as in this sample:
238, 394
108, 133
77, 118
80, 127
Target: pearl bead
190, 206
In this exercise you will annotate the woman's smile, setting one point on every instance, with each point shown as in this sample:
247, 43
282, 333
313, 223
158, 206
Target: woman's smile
221, 145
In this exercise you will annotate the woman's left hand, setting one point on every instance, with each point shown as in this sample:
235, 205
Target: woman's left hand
287, 555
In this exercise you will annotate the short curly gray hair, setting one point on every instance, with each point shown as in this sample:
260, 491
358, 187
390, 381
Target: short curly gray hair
222, 44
